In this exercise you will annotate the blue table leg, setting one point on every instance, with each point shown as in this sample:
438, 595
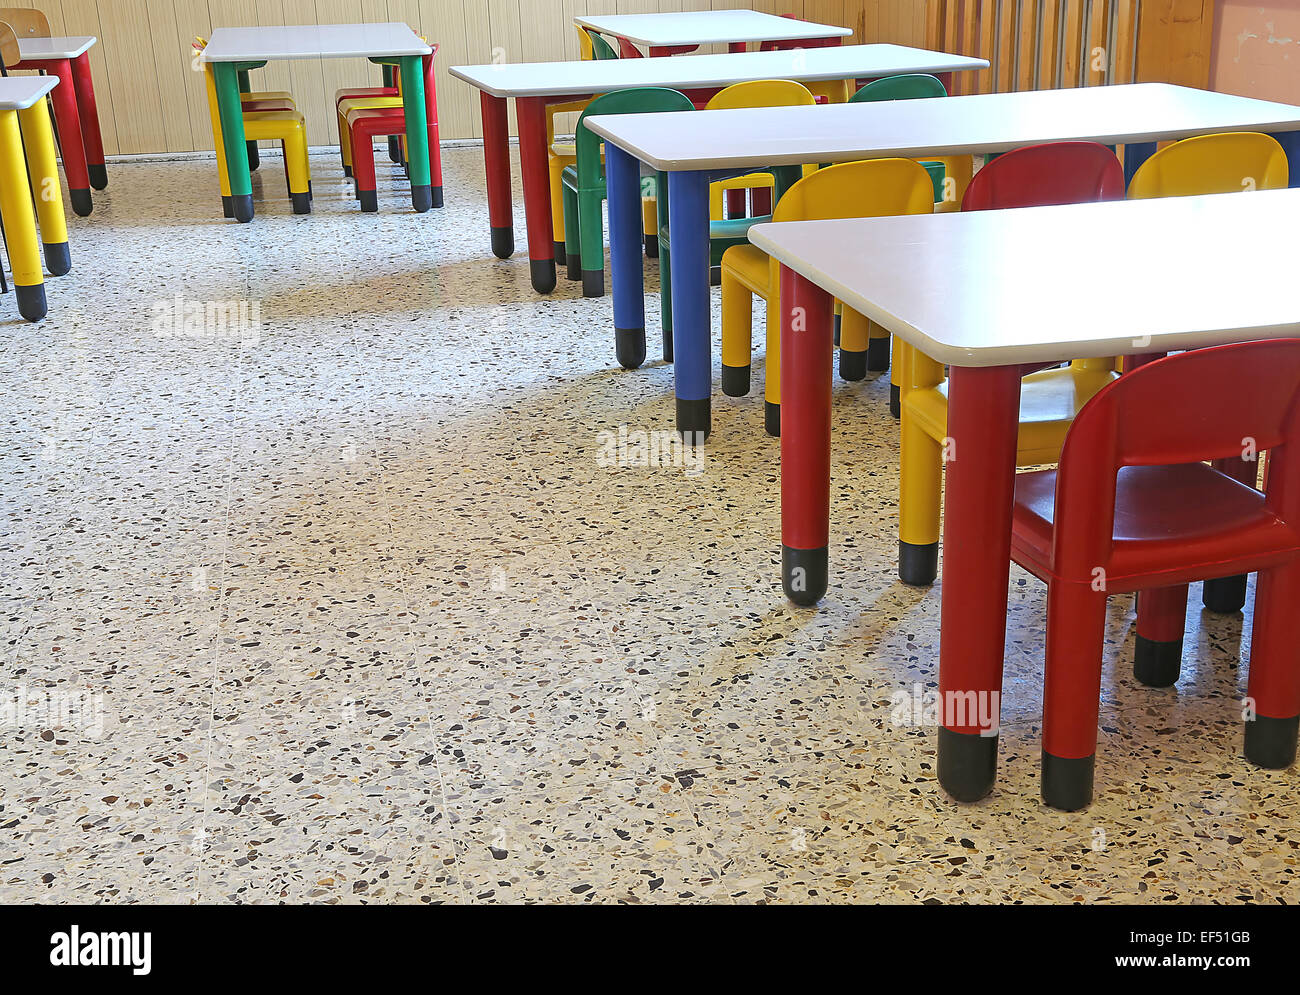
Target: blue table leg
688, 221
1290, 142
623, 192
1136, 153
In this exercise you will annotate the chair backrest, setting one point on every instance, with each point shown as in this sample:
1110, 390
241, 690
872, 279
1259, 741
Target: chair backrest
1228, 163
27, 22
1204, 404
910, 86
584, 44
1040, 175
874, 188
762, 93
8, 45
638, 100
600, 48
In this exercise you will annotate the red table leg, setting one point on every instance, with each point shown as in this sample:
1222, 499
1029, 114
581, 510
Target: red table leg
91, 137
980, 457
806, 355
64, 97
496, 156
531, 114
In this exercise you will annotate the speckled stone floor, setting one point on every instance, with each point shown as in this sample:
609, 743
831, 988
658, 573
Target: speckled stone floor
347, 607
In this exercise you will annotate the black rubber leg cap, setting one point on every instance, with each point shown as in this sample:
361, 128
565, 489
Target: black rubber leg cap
57, 259
98, 175
81, 202
31, 302
573, 265
629, 347
347, 170
1157, 664
369, 200
1067, 781
838, 321
694, 419
227, 207
593, 283
1225, 595
877, 355
735, 380
895, 401
1270, 742
437, 196
542, 272
254, 157
301, 203
561, 254
652, 246
668, 344
804, 574
853, 365
918, 563
310, 195
715, 276
968, 764
503, 242
244, 208
394, 150
772, 419
422, 198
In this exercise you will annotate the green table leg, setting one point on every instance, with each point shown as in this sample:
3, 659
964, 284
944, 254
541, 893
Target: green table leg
226, 77
417, 131
246, 86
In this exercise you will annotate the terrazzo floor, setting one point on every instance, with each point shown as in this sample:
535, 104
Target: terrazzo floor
349, 608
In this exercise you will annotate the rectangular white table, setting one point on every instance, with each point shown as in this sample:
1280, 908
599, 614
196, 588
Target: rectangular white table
694, 149
994, 294
533, 85
229, 48
75, 110
677, 32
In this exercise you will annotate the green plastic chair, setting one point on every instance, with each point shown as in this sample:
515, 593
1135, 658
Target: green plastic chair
911, 86
584, 183
600, 48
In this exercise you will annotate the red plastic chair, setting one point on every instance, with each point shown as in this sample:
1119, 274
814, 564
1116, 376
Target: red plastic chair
1133, 508
1042, 175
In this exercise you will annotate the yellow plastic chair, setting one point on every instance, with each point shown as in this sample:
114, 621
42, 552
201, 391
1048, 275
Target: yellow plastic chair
1226, 163
758, 93
285, 126
871, 189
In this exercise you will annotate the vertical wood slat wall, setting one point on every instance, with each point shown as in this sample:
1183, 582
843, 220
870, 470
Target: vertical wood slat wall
151, 99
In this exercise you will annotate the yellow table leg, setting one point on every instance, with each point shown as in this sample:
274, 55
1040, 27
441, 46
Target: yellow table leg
19, 221
38, 139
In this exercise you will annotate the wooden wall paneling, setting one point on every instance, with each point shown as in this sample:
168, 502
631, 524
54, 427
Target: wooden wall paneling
170, 69
1005, 61
1027, 45
191, 19
1174, 41
1125, 40
81, 17
1071, 48
1049, 64
443, 21
1097, 54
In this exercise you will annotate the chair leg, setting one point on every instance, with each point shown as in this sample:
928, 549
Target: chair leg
591, 242
297, 170
556, 166
772, 379
1274, 685
920, 489
345, 142
878, 339
650, 226
853, 345
1158, 656
737, 334
363, 167
1076, 622
572, 227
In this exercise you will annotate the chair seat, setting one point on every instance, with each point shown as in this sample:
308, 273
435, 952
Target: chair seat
1049, 400
349, 92
349, 104
1190, 519
267, 95
271, 125
752, 267
254, 106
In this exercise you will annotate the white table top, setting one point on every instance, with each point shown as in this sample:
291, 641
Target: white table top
993, 288
537, 79
17, 93
707, 27
911, 129
53, 48
311, 41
